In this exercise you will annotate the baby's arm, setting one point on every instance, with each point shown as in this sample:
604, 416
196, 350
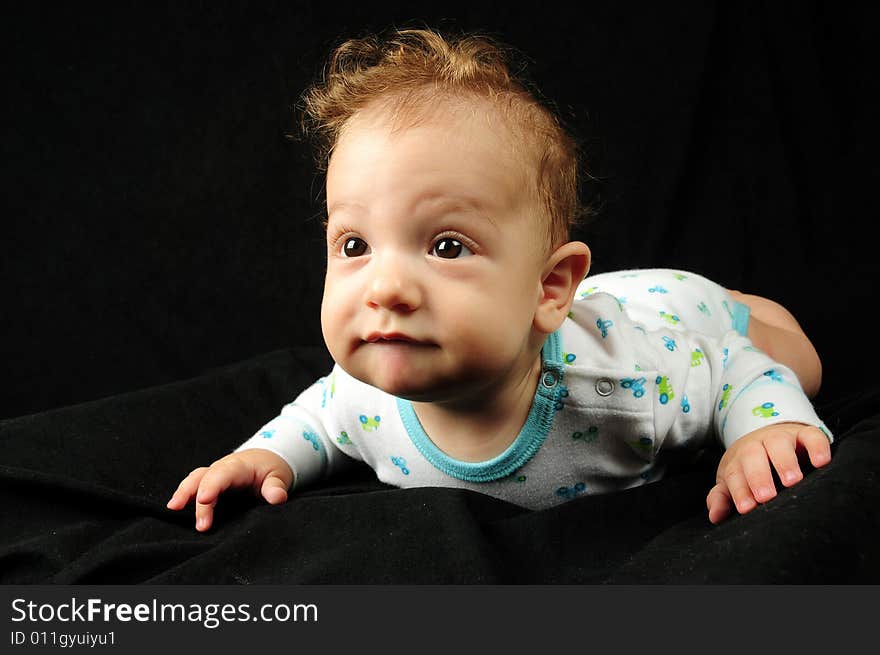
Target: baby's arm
266, 473
773, 329
292, 448
765, 420
744, 476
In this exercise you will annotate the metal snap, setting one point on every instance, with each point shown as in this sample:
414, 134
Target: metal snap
549, 379
604, 387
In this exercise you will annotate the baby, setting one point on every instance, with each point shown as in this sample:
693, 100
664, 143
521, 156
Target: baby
470, 351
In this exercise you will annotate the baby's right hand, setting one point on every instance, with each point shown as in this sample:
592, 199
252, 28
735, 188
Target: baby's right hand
263, 471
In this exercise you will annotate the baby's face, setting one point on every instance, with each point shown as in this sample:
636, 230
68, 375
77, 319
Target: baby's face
434, 258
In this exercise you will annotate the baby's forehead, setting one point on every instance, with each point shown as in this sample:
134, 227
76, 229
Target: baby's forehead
517, 144
401, 111
514, 144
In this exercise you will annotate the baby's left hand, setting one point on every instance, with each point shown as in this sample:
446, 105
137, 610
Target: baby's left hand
744, 478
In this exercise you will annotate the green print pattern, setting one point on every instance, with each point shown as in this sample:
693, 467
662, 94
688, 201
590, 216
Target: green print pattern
664, 388
725, 396
672, 319
765, 410
643, 445
370, 423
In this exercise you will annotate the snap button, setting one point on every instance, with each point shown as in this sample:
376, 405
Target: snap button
549, 379
604, 387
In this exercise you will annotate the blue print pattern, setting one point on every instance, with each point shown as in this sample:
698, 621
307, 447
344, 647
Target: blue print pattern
312, 438
589, 436
400, 463
725, 396
571, 492
774, 375
636, 384
664, 388
559, 405
672, 319
643, 445
765, 410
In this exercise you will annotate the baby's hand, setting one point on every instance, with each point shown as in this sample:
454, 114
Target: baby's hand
744, 478
261, 470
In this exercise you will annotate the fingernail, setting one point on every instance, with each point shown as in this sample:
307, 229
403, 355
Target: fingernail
745, 505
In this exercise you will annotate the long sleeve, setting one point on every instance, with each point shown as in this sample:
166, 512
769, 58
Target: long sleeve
722, 386
708, 377
754, 391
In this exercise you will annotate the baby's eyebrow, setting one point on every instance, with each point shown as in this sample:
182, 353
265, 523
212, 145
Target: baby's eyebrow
345, 205
444, 203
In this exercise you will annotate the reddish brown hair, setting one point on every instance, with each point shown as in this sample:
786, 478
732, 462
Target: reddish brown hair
412, 69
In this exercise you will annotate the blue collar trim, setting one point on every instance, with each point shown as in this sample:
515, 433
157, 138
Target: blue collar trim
549, 397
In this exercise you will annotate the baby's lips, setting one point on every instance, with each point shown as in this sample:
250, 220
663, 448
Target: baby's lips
374, 337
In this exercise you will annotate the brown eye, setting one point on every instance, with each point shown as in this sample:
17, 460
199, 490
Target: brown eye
449, 248
354, 247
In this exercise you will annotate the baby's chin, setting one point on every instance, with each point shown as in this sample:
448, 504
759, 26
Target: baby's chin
408, 390
427, 389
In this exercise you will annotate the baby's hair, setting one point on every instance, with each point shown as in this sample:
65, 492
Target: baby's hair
411, 69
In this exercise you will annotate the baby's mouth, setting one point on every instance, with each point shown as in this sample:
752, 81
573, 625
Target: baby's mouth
394, 338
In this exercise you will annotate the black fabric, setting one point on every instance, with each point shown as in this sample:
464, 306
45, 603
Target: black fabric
163, 264
84, 503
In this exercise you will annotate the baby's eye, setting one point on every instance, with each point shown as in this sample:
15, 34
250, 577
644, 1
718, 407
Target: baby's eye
449, 248
355, 247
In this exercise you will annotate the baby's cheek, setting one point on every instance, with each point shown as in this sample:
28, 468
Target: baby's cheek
495, 337
334, 319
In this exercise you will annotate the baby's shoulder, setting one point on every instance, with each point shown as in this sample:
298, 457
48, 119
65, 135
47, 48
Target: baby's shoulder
598, 326
603, 330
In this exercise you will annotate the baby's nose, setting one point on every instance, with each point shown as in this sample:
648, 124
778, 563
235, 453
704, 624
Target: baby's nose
393, 287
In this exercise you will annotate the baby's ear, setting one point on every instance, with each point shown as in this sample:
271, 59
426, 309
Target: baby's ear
565, 270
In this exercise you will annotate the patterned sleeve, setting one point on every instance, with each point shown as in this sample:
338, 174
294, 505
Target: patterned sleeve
708, 372
754, 391
299, 435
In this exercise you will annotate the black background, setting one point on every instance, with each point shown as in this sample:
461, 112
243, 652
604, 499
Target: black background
158, 222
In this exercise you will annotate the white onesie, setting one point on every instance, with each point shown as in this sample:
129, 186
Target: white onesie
646, 362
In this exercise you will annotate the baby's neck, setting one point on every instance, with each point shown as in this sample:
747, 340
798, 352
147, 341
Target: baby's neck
472, 432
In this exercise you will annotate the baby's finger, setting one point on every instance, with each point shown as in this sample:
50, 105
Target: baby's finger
739, 490
223, 474
719, 503
817, 445
756, 468
274, 490
204, 515
784, 458
187, 489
